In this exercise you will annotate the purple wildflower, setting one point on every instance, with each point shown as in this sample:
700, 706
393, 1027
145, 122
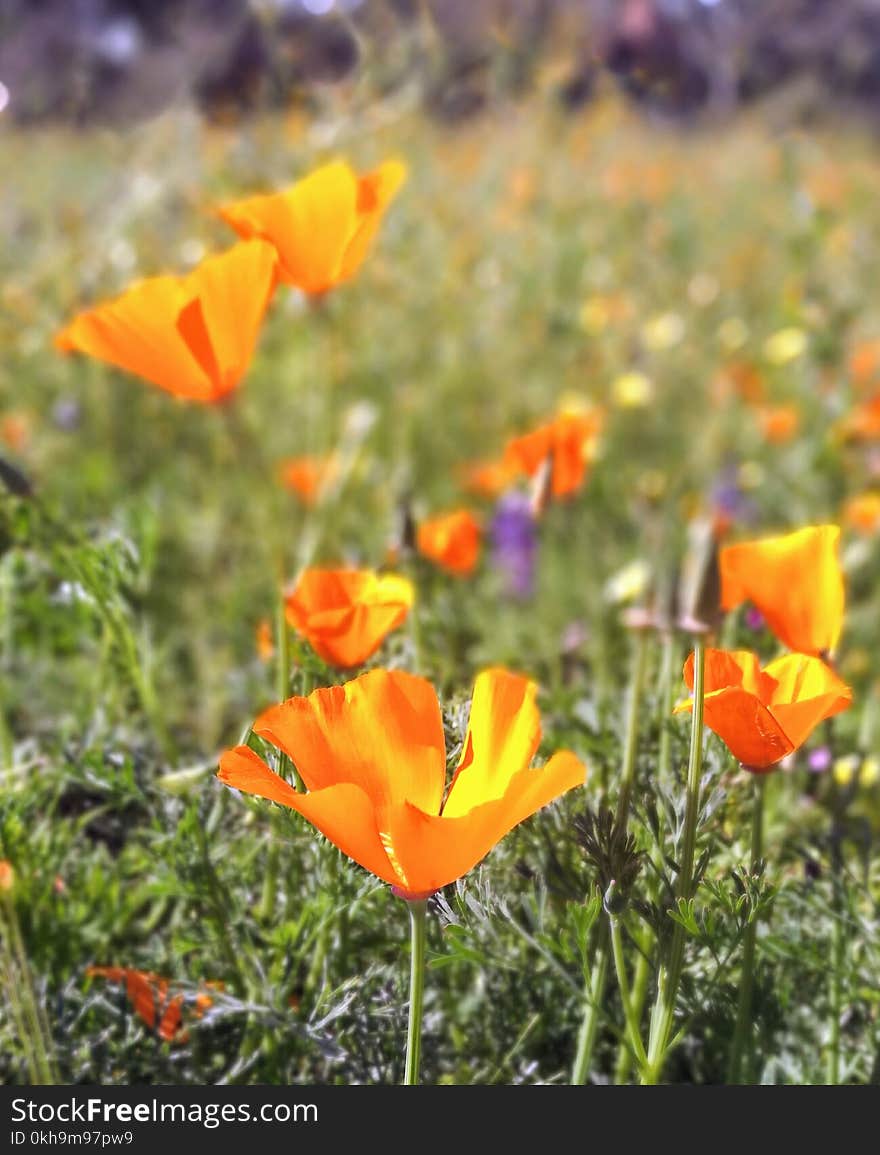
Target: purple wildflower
515, 544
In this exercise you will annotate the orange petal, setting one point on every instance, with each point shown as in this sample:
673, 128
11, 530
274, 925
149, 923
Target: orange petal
137, 332
807, 692
375, 192
311, 225
381, 732
433, 851
343, 813
234, 290
451, 540
504, 731
729, 668
746, 727
795, 581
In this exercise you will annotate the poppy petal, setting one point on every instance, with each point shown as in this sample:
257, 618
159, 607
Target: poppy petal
375, 192
504, 732
310, 225
137, 332
382, 732
343, 813
794, 580
433, 851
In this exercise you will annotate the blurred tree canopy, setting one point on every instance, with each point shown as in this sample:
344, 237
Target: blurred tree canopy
121, 60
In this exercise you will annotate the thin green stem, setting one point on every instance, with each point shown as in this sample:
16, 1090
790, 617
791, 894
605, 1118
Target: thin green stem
590, 1022
594, 998
417, 912
838, 954
739, 1066
639, 995
668, 980
633, 1029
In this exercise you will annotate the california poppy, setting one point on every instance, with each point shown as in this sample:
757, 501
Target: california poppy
864, 363
794, 580
372, 756
863, 513
764, 715
778, 423
451, 540
322, 227
346, 614
568, 441
487, 478
148, 995
863, 423
307, 476
193, 335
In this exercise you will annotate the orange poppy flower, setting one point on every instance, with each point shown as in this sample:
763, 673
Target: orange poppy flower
795, 581
764, 715
194, 335
15, 431
778, 423
148, 995
451, 540
322, 227
863, 423
569, 441
487, 478
863, 513
7, 875
372, 756
265, 641
346, 614
864, 363
307, 476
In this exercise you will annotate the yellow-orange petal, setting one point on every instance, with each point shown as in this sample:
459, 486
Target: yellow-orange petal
504, 731
376, 190
192, 336
343, 812
746, 726
433, 851
312, 224
794, 580
381, 732
807, 691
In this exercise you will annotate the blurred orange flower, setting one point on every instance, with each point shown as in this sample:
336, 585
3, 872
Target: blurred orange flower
307, 476
15, 431
568, 441
372, 756
794, 580
487, 478
265, 641
148, 995
346, 614
863, 513
7, 875
778, 423
864, 363
451, 540
322, 227
863, 422
764, 715
193, 335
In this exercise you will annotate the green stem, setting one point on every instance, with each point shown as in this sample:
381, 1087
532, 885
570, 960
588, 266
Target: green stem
838, 953
739, 1067
633, 1030
663, 1013
417, 911
639, 995
590, 1022
594, 999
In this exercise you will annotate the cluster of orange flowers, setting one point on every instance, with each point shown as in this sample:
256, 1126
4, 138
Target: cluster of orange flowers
195, 335
152, 1001
795, 581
